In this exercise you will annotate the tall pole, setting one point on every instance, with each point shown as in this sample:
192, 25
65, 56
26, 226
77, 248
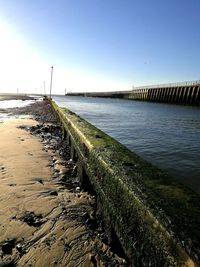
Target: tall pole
51, 81
44, 88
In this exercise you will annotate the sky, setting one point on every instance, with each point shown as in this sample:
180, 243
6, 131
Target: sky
97, 45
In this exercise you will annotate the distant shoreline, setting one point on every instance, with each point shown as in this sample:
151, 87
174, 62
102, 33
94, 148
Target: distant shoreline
4, 96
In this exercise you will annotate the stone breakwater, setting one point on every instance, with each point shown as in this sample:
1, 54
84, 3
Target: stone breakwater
46, 217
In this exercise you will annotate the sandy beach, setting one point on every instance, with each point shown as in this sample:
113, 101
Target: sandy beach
45, 218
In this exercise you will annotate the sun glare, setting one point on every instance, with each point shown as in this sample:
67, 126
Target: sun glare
19, 66
23, 70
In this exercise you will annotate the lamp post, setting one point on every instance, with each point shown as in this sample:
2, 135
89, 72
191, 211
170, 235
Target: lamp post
51, 81
44, 88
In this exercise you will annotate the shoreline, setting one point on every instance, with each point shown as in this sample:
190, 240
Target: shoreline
22, 97
46, 220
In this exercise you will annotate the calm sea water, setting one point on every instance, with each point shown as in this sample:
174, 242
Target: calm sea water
166, 135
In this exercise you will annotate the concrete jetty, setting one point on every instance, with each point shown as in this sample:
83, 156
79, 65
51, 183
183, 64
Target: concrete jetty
155, 219
185, 93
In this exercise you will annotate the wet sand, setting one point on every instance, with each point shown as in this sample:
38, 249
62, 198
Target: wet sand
45, 217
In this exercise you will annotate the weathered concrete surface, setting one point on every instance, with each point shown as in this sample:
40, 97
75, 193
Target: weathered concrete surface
156, 220
186, 95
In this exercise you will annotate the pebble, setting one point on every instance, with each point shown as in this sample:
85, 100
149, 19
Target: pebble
19, 248
92, 258
78, 189
53, 193
58, 162
8, 247
70, 162
64, 171
54, 159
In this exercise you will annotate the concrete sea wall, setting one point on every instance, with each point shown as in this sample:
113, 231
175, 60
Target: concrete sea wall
120, 94
187, 93
155, 219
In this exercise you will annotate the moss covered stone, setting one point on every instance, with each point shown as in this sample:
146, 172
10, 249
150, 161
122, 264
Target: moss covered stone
156, 219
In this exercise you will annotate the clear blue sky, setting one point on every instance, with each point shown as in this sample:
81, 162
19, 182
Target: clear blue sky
98, 44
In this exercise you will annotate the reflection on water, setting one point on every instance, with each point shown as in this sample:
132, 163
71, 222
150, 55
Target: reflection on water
166, 135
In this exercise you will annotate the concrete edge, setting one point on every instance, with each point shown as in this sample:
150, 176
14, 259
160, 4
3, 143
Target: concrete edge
155, 219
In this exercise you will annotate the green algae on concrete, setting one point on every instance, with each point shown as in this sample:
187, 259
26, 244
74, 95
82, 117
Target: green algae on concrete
155, 219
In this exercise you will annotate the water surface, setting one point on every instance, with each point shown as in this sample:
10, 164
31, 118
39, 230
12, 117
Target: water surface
166, 135
15, 103
4, 104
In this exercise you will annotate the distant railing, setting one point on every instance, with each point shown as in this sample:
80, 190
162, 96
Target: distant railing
187, 83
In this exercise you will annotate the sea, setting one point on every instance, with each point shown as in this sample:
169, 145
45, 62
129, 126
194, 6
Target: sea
4, 104
166, 135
